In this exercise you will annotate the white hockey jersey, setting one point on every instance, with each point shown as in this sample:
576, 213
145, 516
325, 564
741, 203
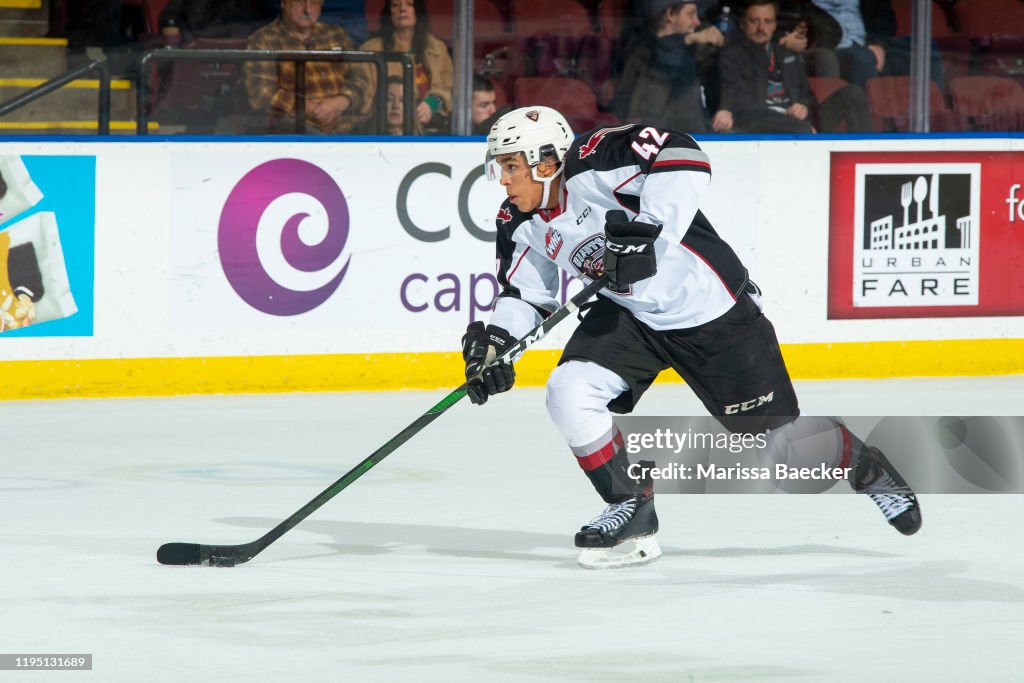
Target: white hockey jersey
656, 176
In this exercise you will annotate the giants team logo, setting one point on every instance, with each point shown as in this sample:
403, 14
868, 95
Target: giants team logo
924, 235
916, 235
552, 243
588, 257
590, 146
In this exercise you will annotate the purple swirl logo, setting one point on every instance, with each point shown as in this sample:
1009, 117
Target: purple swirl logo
281, 237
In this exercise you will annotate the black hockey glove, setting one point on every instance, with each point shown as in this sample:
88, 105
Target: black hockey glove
481, 345
628, 249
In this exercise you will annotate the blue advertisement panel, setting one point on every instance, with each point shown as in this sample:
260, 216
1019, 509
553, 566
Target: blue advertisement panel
47, 245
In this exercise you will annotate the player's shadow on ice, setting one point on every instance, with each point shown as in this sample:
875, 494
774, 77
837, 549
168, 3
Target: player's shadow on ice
896, 577
376, 538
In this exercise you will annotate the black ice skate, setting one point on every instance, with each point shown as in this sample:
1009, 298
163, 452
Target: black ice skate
621, 535
877, 477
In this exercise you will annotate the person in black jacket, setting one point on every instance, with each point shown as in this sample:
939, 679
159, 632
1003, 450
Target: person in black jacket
659, 82
764, 85
185, 19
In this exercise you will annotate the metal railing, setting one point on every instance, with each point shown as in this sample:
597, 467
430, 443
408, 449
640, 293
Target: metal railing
300, 58
58, 82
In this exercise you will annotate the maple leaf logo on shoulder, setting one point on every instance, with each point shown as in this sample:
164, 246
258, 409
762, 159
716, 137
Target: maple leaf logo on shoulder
533, 115
590, 146
504, 215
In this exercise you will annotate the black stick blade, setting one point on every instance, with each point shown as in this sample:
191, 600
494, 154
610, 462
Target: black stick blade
179, 554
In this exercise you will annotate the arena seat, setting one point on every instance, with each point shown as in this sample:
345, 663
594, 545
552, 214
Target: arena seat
571, 96
991, 103
889, 101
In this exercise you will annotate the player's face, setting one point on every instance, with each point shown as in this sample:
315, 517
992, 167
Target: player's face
522, 189
403, 14
759, 23
301, 14
484, 104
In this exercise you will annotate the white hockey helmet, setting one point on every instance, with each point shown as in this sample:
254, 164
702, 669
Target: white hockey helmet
538, 132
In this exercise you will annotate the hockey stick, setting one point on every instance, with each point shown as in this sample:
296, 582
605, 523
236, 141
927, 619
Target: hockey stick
230, 555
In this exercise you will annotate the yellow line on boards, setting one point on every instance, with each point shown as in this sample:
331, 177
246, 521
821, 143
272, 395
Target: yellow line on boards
80, 84
72, 125
14, 40
21, 4
394, 371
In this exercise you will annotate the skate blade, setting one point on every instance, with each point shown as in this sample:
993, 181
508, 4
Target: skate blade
636, 551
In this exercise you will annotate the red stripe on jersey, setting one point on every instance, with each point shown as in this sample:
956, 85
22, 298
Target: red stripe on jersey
602, 455
516, 266
711, 267
697, 165
627, 181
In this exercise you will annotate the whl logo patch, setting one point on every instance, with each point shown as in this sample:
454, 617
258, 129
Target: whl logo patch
552, 243
916, 235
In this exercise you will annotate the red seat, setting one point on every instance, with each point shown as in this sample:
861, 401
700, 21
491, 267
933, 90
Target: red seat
986, 18
889, 101
151, 14
611, 14
594, 57
996, 32
990, 102
571, 96
824, 87
560, 17
198, 93
488, 20
904, 10
373, 9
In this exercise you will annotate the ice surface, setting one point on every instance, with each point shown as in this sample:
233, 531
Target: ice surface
453, 560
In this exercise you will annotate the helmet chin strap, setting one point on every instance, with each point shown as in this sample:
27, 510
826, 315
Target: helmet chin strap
546, 197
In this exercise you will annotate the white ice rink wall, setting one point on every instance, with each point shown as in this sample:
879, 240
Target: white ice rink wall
218, 266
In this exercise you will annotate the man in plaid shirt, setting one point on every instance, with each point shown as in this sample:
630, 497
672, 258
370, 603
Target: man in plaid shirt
335, 91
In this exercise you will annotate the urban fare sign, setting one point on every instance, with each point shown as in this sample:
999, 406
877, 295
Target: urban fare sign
916, 235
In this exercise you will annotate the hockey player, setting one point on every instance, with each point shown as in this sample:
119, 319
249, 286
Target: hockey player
624, 201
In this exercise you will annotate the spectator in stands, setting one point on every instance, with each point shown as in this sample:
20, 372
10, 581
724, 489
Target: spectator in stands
484, 107
805, 28
181, 20
396, 108
765, 87
336, 92
866, 43
659, 82
861, 47
405, 27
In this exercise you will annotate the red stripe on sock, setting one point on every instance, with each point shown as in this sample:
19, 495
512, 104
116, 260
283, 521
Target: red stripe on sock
847, 446
602, 455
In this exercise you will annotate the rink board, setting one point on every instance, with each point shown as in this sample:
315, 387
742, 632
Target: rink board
288, 265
